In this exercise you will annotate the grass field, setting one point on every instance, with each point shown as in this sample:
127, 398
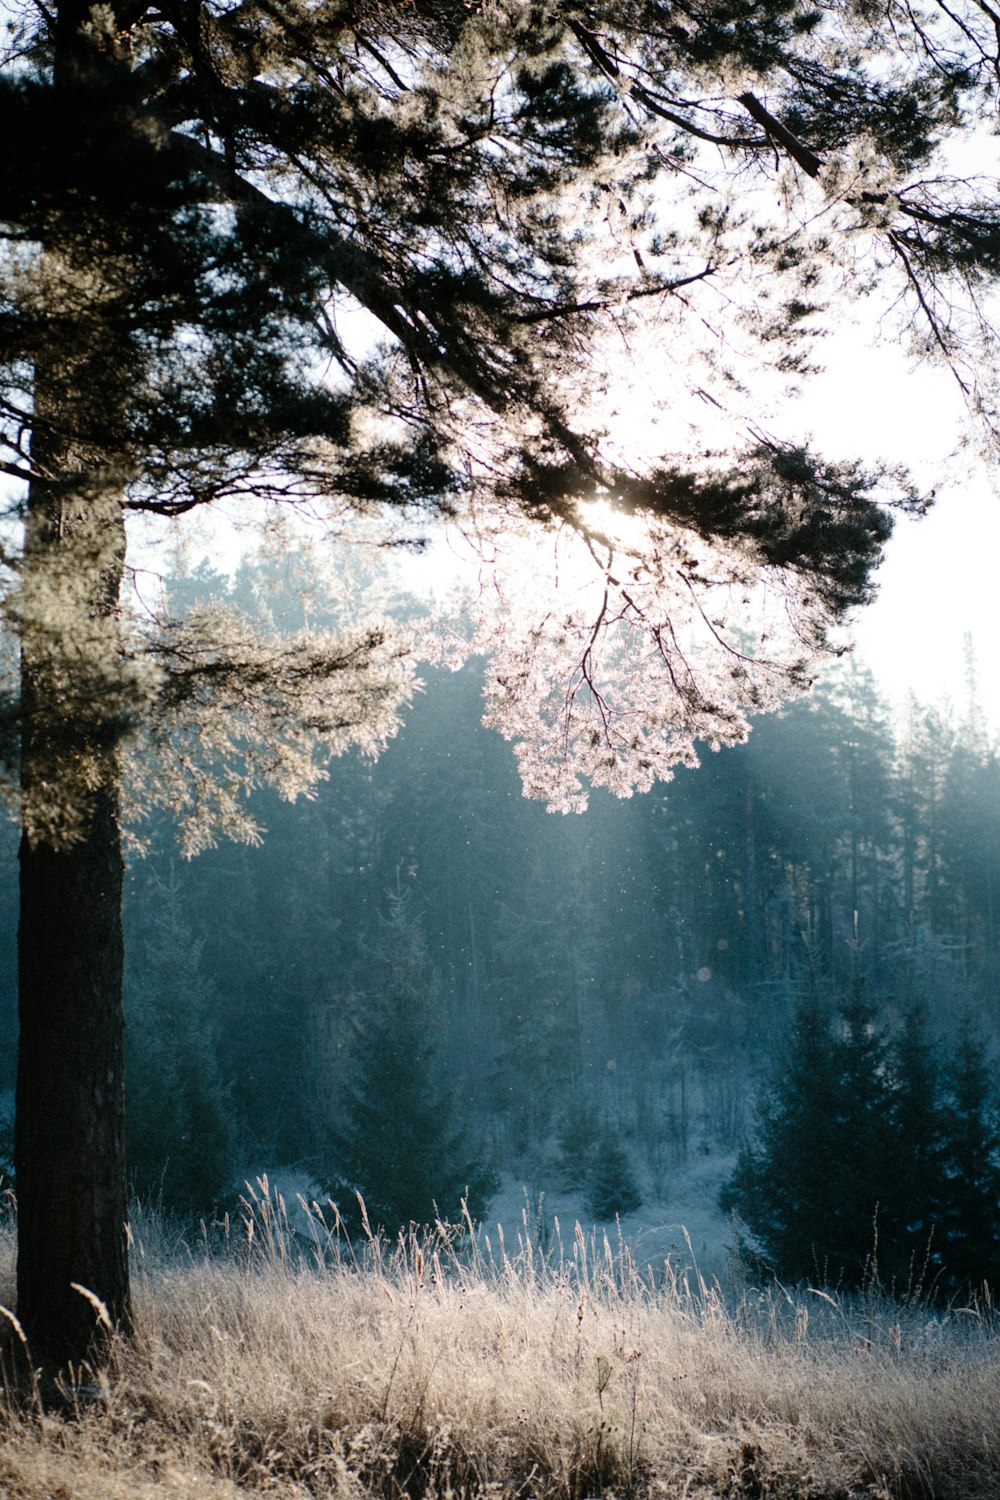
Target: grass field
273, 1367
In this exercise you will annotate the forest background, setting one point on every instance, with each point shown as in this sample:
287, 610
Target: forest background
589, 1004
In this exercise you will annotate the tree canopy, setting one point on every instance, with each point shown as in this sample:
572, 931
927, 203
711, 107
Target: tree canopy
370, 257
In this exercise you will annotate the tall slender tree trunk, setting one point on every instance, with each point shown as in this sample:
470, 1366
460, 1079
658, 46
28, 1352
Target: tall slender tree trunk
72, 1267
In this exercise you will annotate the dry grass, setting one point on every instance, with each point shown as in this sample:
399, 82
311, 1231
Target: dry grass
428, 1370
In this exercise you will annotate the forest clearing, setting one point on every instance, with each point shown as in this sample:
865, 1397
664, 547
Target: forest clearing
428, 1369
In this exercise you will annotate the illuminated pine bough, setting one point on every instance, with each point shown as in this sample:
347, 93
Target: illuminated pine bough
627, 639
387, 259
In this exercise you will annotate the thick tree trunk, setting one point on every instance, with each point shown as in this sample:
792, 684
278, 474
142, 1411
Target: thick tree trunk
70, 1163
72, 1269
69, 1125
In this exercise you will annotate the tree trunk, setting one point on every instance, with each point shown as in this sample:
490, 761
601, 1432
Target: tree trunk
69, 1152
72, 1267
69, 1124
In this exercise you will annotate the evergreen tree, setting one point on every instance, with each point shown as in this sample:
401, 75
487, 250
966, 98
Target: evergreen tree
398, 1139
854, 1233
612, 1189
913, 1237
181, 1136
926, 753
971, 1207
578, 1135
536, 1001
870, 1160
781, 1186
200, 205
970, 835
816, 1188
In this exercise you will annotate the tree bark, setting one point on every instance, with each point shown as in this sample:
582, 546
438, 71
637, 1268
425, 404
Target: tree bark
69, 1150
69, 1124
72, 1266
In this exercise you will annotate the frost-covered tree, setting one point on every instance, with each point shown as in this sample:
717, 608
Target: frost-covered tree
375, 258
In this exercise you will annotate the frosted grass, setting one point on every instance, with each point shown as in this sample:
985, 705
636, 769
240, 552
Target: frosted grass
284, 1362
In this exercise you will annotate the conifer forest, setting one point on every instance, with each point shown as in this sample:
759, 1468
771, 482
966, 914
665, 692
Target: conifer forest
422, 985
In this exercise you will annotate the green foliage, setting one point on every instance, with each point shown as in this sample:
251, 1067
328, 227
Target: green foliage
577, 1136
181, 1133
781, 1186
869, 1160
916, 1144
970, 1193
397, 1138
611, 1186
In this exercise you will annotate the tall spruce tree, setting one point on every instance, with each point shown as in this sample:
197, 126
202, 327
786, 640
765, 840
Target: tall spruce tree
872, 1158
351, 257
397, 1141
971, 1189
853, 1233
612, 1189
181, 1130
819, 1188
781, 1186
913, 1248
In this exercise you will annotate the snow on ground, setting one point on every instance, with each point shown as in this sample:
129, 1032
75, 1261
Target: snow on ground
687, 1226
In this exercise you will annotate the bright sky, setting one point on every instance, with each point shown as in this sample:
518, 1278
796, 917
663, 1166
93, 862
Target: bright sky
940, 577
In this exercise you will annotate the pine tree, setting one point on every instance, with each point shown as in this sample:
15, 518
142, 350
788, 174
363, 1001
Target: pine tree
397, 1139
181, 1137
914, 1234
578, 1136
927, 751
871, 1160
970, 835
816, 1188
971, 1207
854, 1231
203, 205
781, 1186
535, 998
612, 1189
